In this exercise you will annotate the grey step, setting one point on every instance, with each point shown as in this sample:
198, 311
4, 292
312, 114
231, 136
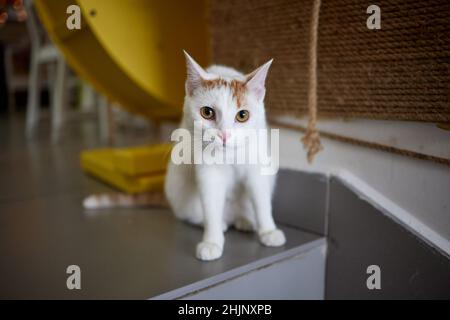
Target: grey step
294, 274
122, 253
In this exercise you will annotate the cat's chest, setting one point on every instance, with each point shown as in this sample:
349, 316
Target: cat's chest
228, 177
235, 182
236, 172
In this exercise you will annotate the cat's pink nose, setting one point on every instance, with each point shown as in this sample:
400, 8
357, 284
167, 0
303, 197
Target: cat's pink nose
224, 136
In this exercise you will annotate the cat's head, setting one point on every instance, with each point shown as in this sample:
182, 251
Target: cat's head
224, 100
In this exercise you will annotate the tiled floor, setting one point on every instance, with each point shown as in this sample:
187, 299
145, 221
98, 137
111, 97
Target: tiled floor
123, 253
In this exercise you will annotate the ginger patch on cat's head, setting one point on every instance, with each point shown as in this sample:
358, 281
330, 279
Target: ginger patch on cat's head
238, 88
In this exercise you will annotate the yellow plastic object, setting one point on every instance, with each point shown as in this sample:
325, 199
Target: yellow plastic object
131, 170
131, 50
142, 160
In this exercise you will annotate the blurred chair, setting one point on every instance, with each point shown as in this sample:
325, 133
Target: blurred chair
46, 59
44, 54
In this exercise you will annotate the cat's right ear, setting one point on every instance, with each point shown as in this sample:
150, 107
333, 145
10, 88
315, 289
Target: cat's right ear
195, 74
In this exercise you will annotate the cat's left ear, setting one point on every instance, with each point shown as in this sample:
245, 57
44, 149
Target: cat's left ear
256, 80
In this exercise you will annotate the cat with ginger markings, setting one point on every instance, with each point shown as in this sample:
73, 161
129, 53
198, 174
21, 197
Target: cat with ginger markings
216, 196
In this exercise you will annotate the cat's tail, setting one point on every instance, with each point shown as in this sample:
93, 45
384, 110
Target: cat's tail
115, 199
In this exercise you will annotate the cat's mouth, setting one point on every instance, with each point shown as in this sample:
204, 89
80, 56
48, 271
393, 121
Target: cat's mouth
221, 144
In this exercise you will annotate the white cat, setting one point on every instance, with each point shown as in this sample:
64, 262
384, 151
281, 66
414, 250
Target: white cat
216, 196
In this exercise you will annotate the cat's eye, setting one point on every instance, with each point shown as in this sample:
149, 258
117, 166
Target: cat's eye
242, 116
207, 113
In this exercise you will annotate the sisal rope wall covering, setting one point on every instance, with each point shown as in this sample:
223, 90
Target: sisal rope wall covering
342, 69
401, 72
247, 33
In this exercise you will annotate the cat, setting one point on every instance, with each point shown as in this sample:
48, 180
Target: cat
216, 196
219, 195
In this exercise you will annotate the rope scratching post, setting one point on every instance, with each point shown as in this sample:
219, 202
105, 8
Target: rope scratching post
311, 139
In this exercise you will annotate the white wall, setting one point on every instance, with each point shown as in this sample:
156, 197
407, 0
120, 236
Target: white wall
417, 192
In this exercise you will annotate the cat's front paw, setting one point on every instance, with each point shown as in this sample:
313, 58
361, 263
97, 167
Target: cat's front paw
208, 251
274, 238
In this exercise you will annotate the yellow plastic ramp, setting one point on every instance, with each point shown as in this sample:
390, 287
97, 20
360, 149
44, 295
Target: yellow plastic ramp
131, 50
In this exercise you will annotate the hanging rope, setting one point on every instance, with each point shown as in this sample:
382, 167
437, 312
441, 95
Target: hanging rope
311, 139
